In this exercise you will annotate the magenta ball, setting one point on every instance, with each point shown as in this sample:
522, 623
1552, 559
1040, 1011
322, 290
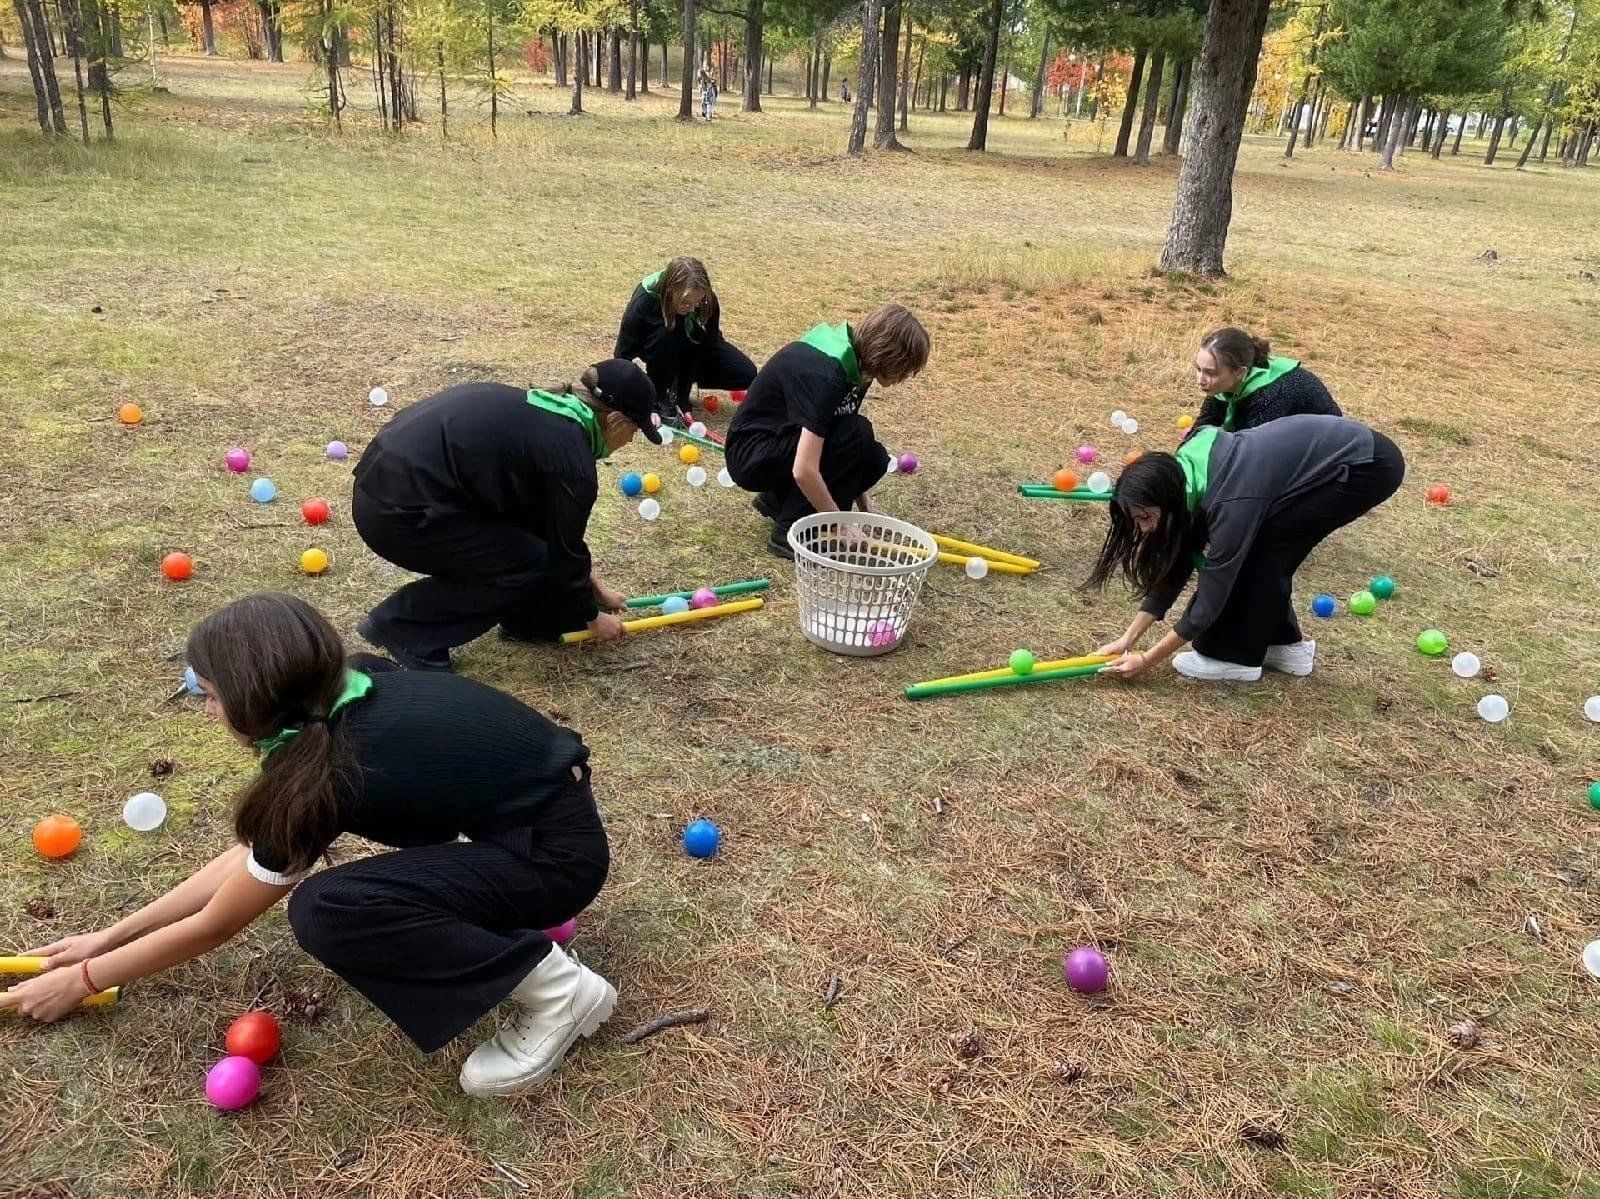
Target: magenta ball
238, 459
1087, 454
1086, 970
882, 632
233, 1083
908, 463
704, 598
563, 932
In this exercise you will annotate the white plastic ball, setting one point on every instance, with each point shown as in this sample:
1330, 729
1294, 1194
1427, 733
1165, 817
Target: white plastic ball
724, 478
144, 812
1099, 482
1591, 708
1494, 708
1130, 426
1118, 418
667, 434
977, 568
649, 509
894, 464
696, 476
1465, 666
377, 397
698, 428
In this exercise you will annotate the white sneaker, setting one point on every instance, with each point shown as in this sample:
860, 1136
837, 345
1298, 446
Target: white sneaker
1194, 665
1292, 659
560, 1001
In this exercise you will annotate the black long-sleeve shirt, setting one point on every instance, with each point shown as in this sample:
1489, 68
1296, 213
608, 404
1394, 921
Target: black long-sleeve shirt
670, 355
480, 449
1297, 393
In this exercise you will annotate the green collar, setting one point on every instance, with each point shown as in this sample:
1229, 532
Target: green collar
691, 320
1254, 381
356, 687
835, 341
570, 406
1194, 456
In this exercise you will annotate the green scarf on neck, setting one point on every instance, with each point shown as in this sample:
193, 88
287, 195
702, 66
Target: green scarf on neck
356, 687
691, 319
1194, 456
1257, 378
571, 407
834, 341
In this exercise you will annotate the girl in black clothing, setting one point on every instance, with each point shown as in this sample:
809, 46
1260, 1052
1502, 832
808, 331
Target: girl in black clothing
673, 324
1246, 386
435, 934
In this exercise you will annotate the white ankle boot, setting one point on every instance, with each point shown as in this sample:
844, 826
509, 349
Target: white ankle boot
1297, 660
1195, 665
560, 1001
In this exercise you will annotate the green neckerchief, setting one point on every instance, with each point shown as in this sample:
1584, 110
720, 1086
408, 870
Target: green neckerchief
691, 319
1194, 457
1257, 378
574, 409
834, 341
356, 687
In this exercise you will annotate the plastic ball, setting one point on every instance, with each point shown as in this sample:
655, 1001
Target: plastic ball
688, 453
130, 414
1086, 970
1383, 587
315, 511
652, 483
1494, 708
631, 484
377, 397
724, 478
1432, 642
649, 509
977, 568
1324, 606
1591, 708
563, 932
894, 465
710, 403
909, 464
57, 836
191, 683
1087, 454
882, 632
736, 397
1184, 422
233, 1083
1438, 494
698, 428
1064, 480
1130, 426
1099, 482
696, 476
263, 491
674, 604
237, 459
1022, 661
1465, 666
177, 566
144, 812
1117, 418
702, 839
667, 435
253, 1035
1594, 794
1131, 457
704, 597
337, 451
314, 561
1363, 603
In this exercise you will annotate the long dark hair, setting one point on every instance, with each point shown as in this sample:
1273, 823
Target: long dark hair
276, 663
1154, 480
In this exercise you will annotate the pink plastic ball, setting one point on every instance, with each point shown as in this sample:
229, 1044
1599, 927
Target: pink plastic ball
233, 1083
238, 459
704, 598
1087, 454
882, 632
1086, 970
908, 463
563, 932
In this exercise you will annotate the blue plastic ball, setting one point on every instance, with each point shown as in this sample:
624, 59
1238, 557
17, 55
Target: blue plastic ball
674, 603
701, 839
1324, 605
191, 683
631, 483
263, 491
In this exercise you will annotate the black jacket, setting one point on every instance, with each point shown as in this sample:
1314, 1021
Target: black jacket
1298, 393
669, 355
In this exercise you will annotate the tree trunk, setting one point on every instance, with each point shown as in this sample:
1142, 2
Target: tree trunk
614, 61
1130, 106
72, 19
1180, 101
686, 94
1442, 130
1036, 99
1227, 76
97, 21
1455, 146
905, 72
1380, 137
1152, 100
769, 74
944, 92
1005, 72
916, 84
494, 90
444, 100
208, 29
888, 63
1397, 132
1494, 140
39, 61
869, 66
575, 109
1358, 127
561, 55
666, 81
980, 105
633, 51
754, 49
963, 89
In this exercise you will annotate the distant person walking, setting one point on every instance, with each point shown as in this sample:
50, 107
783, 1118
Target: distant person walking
708, 95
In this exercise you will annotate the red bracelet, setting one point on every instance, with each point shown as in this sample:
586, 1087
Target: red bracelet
83, 969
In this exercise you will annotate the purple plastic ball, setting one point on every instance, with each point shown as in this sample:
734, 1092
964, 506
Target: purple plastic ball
338, 451
233, 1083
238, 459
563, 932
704, 598
1087, 454
908, 463
1086, 970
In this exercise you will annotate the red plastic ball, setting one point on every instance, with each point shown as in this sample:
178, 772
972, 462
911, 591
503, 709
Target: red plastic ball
736, 397
177, 566
315, 511
1438, 494
710, 403
254, 1035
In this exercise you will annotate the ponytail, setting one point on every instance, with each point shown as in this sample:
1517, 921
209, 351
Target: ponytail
293, 804
1238, 349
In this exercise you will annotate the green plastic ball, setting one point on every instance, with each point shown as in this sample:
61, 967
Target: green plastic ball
1383, 587
1594, 795
1432, 642
1022, 662
1363, 603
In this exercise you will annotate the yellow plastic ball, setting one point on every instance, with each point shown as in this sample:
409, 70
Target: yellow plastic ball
314, 562
1185, 421
652, 484
688, 454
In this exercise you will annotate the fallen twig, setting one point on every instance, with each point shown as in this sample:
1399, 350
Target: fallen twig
832, 995
509, 1176
39, 699
649, 1028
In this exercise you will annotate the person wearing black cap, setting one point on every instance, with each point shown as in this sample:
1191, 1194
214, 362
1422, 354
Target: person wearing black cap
486, 489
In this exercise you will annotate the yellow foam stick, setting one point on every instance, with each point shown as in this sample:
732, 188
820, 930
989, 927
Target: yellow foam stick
1004, 568
983, 551
661, 622
35, 965
1000, 673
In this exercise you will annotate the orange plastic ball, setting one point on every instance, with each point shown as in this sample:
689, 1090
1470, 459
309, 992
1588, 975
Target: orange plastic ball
710, 403
57, 836
315, 511
130, 414
1438, 494
1131, 457
1064, 480
254, 1035
177, 566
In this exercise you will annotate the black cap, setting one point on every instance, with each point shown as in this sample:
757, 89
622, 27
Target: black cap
621, 385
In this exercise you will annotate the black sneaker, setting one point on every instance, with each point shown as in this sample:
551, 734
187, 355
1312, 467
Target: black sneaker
766, 503
439, 660
778, 544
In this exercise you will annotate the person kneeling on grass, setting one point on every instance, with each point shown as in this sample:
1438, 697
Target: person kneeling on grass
1246, 386
1246, 508
799, 438
487, 490
435, 934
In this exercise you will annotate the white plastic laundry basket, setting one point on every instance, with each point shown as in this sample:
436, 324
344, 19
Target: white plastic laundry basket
857, 575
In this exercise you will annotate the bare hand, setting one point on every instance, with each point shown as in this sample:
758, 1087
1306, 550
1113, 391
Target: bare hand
1114, 649
608, 599
49, 997
1129, 666
69, 951
606, 627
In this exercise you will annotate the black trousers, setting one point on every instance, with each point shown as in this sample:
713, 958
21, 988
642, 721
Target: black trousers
717, 366
852, 463
1260, 611
438, 935
480, 573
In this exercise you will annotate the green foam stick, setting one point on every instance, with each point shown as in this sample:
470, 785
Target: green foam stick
955, 687
1079, 496
697, 439
655, 601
